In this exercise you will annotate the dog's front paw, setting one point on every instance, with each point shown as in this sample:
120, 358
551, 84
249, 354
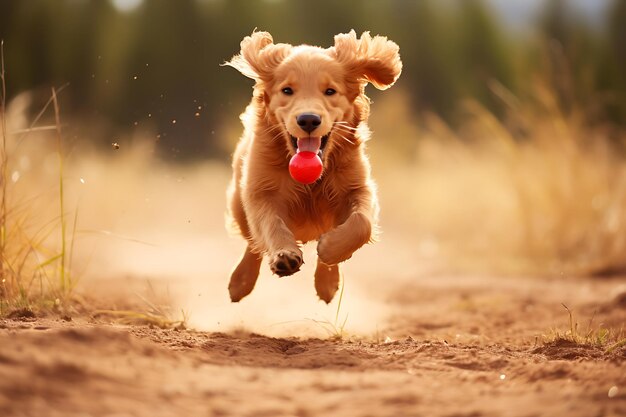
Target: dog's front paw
339, 244
286, 262
330, 251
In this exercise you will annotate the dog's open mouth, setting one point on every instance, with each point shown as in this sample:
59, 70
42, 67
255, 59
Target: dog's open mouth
314, 144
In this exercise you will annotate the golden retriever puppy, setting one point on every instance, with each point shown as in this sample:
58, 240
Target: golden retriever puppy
306, 97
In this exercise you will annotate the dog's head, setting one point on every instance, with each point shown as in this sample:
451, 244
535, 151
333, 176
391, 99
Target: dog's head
313, 96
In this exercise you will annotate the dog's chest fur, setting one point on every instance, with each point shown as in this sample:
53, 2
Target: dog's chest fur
313, 211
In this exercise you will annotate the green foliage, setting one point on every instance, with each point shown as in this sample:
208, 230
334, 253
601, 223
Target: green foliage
160, 62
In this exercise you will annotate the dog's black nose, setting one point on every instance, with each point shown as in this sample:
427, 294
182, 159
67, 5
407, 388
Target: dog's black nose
309, 121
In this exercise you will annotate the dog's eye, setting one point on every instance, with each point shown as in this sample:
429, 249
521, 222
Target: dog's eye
287, 91
330, 91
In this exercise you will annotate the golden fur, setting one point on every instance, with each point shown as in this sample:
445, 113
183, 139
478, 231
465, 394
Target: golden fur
274, 213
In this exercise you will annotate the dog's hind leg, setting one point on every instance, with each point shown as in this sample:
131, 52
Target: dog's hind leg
326, 280
244, 276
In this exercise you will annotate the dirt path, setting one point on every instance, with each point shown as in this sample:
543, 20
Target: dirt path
451, 347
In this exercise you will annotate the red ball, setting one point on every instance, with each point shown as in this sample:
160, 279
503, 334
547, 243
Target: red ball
305, 167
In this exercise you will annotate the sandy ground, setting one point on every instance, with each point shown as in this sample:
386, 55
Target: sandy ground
451, 346
416, 341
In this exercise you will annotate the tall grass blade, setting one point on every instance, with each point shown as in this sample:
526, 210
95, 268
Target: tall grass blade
3, 168
63, 279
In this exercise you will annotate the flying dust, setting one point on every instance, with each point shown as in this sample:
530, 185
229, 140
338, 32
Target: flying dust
145, 223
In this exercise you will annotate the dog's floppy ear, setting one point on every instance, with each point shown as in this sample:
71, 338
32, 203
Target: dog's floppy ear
375, 60
259, 56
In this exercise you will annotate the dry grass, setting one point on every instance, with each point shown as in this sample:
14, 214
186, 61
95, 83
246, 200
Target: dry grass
593, 335
337, 328
34, 275
132, 317
155, 311
541, 192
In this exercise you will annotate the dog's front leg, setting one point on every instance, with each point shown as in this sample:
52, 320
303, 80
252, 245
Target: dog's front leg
272, 236
340, 243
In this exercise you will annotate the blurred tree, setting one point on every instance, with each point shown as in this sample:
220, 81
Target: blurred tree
166, 73
612, 76
484, 53
159, 63
428, 58
573, 58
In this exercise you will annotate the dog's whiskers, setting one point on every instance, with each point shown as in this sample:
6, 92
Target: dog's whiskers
271, 129
344, 130
276, 136
275, 129
345, 138
344, 133
345, 125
